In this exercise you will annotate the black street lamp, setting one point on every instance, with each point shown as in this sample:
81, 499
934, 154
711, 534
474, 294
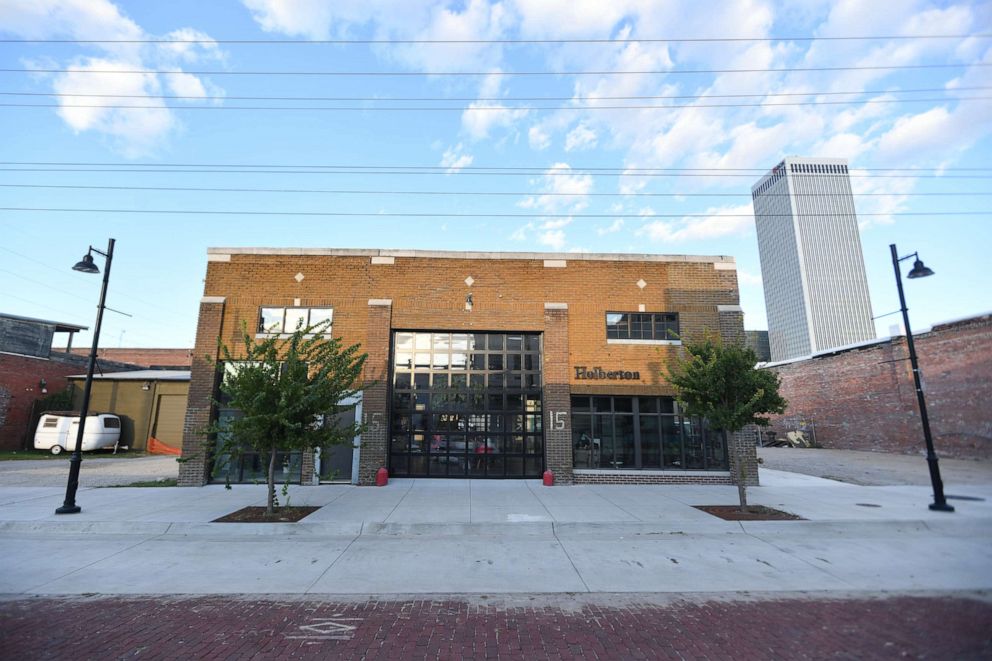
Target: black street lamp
86, 265
920, 271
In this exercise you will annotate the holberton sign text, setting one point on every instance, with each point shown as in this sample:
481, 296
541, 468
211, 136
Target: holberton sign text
581, 372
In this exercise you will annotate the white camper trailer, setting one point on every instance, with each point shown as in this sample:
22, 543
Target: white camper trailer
57, 431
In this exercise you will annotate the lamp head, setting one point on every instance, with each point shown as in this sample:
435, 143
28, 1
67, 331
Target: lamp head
86, 265
919, 270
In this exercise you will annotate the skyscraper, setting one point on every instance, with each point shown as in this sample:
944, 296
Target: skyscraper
816, 292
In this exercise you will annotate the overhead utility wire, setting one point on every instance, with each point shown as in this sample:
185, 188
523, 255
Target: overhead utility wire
879, 67
464, 172
500, 108
625, 40
195, 189
443, 168
495, 98
396, 214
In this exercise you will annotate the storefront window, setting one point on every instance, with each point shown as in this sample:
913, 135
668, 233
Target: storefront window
618, 433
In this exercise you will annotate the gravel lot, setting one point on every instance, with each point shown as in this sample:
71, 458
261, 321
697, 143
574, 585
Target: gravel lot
874, 468
94, 472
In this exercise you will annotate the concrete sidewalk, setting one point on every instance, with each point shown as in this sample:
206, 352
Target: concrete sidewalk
473, 536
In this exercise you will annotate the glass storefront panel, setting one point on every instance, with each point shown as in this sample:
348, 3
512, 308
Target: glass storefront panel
469, 395
619, 433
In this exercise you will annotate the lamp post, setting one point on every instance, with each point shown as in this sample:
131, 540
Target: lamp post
86, 265
920, 271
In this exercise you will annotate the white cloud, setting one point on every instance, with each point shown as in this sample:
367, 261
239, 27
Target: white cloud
719, 222
563, 189
454, 159
538, 138
552, 238
132, 131
298, 18
581, 137
748, 279
614, 227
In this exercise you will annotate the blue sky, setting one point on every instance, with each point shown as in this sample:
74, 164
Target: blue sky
569, 144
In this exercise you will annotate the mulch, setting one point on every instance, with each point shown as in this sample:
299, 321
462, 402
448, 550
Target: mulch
752, 513
258, 515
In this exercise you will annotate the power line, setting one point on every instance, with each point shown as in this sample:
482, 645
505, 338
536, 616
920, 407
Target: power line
626, 40
879, 67
465, 172
442, 168
194, 189
498, 108
413, 214
494, 98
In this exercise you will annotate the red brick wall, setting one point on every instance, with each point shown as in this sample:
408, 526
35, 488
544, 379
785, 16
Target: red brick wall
19, 379
864, 399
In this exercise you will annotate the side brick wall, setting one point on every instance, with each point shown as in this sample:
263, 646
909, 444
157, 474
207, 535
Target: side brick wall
865, 399
193, 471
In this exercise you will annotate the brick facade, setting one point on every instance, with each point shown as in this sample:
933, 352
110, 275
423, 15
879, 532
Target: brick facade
374, 293
193, 470
20, 388
864, 398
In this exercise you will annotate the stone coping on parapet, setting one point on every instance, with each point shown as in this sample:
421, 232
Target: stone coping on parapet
452, 254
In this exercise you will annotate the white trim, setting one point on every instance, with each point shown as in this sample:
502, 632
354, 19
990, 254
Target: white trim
674, 343
219, 257
385, 302
729, 308
555, 263
213, 299
450, 254
556, 306
383, 260
621, 471
725, 266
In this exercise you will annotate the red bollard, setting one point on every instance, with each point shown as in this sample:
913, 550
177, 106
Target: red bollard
549, 478
381, 477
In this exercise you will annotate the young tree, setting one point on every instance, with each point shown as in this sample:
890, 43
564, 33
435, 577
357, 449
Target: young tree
720, 383
283, 388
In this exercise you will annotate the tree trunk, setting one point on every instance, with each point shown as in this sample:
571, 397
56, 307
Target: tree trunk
270, 502
739, 471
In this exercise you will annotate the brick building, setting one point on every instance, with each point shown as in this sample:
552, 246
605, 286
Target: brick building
863, 397
30, 370
485, 364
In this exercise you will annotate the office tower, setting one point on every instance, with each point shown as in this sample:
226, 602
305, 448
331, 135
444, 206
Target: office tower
816, 292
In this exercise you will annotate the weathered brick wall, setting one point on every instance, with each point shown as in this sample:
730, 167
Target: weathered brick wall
375, 398
557, 397
20, 379
864, 399
193, 471
429, 293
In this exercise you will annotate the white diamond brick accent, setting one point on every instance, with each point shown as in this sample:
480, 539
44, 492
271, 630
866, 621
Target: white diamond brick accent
469, 281
641, 283
298, 277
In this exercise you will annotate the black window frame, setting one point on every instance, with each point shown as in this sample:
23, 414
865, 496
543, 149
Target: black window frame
260, 327
654, 326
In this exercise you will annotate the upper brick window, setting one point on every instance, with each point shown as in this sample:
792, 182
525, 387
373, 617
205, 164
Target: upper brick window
288, 320
642, 326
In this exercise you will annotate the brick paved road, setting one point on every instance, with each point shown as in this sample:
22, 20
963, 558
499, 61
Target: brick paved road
545, 627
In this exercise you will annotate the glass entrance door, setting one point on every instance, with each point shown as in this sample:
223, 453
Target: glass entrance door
466, 405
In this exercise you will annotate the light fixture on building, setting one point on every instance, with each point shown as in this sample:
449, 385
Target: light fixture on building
920, 271
147, 385
43, 386
86, 265
469, 302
